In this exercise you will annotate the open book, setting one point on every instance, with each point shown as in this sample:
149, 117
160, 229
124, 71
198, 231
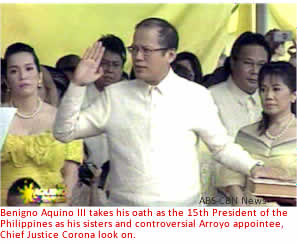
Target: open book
271, 188
6, 116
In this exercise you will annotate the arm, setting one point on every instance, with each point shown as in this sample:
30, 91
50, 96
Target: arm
70, 123
94, 187
70, 173
214, 134
224, 150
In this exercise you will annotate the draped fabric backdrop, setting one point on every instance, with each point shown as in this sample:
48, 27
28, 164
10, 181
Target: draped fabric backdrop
55, 30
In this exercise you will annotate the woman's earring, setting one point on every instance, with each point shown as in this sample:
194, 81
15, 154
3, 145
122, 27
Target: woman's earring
40, 83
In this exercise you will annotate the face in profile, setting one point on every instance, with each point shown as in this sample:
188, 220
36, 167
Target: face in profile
276, 96
22, 74
246, 66
112, 65
149, 64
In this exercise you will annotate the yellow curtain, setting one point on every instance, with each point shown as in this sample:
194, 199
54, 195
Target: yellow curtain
55, 30
283, 16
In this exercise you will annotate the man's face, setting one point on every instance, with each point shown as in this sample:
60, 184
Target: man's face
112, 65
246, 67
149, 64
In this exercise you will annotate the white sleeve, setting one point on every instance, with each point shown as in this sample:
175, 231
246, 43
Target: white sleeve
214, 134
71, 123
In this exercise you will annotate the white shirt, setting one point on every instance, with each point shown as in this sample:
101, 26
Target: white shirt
97, 145
152, 138
236, 108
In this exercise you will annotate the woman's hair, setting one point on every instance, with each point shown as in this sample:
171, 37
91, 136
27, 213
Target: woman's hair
182, 71
195, 64
3, 89
269, 37
17, 48
287, 72
60, 79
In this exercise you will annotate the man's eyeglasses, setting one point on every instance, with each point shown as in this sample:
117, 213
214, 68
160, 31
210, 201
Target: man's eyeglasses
144, 50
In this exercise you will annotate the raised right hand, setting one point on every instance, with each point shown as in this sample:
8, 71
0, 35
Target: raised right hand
88, 69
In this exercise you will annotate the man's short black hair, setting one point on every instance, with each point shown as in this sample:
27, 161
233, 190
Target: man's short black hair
249, 38
168, 36
114, 44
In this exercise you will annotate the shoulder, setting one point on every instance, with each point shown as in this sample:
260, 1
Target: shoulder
250, 130
181, 84
219, 88
122, 87
123, 84
221, 94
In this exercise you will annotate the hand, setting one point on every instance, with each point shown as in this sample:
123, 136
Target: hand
270, 173
88, 69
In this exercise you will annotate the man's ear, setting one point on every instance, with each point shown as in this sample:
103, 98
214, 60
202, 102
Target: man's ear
171, 55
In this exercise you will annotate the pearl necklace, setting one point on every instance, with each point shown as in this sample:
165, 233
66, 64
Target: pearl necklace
29, 116
271, 137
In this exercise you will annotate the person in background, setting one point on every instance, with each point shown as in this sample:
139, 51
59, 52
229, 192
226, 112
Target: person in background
58, 78
221, 60
191, 62
113, 62
182, 71
67, 64
220, 75
4, 92
47, 89
277, 47
273, 139
239, 95
237, 99
292, 52
30, 150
